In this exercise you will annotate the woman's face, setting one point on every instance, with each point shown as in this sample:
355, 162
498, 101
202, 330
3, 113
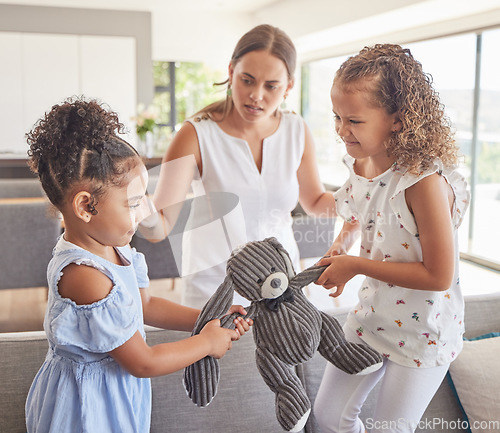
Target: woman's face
259, 82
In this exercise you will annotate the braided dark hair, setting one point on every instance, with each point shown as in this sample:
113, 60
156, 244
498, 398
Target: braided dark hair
75, 142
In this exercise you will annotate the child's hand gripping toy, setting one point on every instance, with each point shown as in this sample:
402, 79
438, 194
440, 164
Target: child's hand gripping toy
287, 330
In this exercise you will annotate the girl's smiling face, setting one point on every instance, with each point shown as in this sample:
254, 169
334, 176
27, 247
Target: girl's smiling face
259, 82
362, 126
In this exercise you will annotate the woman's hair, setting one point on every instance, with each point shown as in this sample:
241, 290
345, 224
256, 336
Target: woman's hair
398, 84
261, 38
76, 142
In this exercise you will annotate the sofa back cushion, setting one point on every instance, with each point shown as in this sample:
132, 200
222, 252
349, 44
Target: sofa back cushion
28, 234
243, 402
22, 354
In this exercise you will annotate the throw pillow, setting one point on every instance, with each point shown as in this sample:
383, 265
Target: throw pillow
476, 378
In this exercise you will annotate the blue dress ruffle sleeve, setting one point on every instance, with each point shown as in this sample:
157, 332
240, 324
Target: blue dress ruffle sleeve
141, 268
100, 327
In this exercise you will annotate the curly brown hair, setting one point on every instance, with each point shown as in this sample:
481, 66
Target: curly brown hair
398, 84
77, 142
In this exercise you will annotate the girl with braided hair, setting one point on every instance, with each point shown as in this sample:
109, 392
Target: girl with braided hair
406, 200
95, 377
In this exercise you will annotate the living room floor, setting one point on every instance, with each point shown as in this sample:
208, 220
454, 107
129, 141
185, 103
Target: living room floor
23, 309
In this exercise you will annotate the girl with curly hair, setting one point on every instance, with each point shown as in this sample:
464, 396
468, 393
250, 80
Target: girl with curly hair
406, 200
95, 377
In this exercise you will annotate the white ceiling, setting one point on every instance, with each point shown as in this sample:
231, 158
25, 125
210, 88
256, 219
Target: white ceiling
207, 30
246, 6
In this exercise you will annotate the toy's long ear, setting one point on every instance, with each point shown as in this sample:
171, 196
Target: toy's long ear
307, 276
217, 305
201, 380
288, 262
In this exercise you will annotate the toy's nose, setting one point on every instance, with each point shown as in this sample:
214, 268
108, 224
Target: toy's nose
275, 283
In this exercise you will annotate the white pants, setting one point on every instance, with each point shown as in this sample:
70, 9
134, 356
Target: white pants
404, 395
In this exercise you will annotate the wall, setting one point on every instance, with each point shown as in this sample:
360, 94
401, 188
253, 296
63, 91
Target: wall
135, 24
194, 36
100, 53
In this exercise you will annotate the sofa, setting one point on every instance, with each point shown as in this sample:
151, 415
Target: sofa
21, 188
243, 402
29, 230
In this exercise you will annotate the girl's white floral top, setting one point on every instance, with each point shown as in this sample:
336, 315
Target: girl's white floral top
415, 328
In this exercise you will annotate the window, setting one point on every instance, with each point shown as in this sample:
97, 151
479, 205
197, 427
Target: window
464, 70
451, 63
317, 78
164, 97
484, 233
181, 89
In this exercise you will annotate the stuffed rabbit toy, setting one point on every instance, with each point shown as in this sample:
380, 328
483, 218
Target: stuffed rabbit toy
287, 330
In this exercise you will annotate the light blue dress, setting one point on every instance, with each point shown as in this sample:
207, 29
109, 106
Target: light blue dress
79, 387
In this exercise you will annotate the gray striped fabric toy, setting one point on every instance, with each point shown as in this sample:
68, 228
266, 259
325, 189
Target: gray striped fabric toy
287, 330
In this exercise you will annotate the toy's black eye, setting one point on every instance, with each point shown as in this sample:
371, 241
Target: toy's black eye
259, 281
273, 269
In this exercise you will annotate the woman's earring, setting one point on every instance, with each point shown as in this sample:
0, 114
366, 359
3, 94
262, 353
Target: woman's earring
229, 92
283, 104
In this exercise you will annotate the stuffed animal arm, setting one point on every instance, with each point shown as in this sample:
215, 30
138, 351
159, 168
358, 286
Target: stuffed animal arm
287, 330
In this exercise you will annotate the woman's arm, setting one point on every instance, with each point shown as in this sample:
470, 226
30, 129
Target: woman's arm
180, 165
312, 195
430, 201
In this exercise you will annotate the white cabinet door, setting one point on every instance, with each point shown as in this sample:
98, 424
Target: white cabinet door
40, 70
50, 73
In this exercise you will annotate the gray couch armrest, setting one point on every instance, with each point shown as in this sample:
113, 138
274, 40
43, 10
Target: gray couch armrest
481, 314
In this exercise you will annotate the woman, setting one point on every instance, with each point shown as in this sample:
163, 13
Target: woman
245, 145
